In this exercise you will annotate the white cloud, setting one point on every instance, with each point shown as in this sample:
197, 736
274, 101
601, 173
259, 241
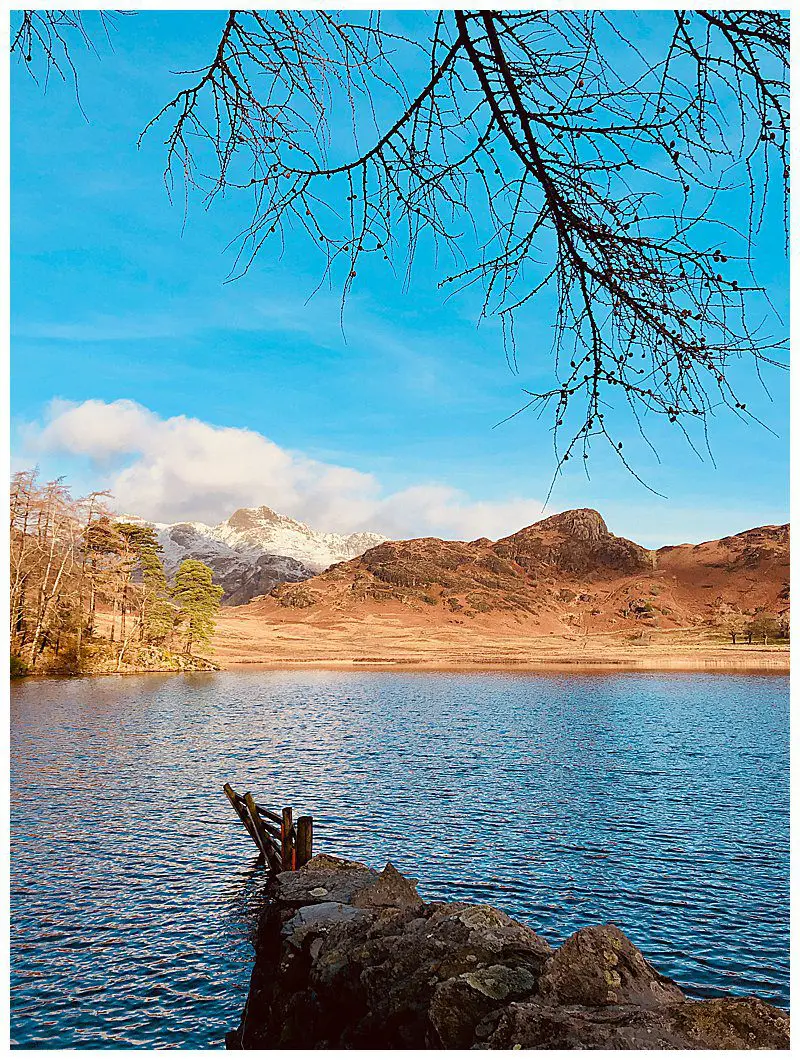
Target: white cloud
446, 512
181, 468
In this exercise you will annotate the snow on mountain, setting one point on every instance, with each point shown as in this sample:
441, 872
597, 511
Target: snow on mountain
256, 549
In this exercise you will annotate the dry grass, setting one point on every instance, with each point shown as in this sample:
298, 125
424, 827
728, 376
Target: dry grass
391, 641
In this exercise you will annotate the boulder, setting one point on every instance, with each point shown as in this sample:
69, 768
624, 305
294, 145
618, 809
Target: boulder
390, 888
600, 966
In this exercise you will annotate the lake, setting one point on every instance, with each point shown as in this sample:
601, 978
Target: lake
658, 801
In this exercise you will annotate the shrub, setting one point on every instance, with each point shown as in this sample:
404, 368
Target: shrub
19, 668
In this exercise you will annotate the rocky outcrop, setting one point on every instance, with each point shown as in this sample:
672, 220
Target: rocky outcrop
521, 574
347, 957
575, 543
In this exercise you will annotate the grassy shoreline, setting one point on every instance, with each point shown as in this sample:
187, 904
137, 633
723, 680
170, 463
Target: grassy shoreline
550, 658
447, 654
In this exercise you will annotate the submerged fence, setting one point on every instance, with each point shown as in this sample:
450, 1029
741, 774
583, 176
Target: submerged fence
284, 845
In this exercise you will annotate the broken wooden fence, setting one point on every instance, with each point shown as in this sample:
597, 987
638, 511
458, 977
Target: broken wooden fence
283, 845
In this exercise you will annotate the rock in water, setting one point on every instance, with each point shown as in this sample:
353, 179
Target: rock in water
350, 958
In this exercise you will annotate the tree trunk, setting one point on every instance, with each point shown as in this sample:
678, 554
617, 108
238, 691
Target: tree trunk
47, 599
124, 646
37, 631
18, 631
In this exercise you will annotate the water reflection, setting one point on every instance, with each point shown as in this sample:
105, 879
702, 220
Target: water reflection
660, 802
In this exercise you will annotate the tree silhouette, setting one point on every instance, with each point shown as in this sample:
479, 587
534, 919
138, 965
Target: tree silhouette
553, 157
48, 38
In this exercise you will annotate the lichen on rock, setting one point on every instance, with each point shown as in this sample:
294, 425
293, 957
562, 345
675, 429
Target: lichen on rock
351, 958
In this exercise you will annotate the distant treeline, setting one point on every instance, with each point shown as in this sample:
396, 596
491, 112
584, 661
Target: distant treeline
87, 586
763, 627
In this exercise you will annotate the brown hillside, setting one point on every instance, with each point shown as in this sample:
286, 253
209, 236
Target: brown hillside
564, 575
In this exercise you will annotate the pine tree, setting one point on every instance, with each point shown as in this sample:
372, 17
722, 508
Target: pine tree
101, 544
198, 601
95, 509
135, 540
158, 613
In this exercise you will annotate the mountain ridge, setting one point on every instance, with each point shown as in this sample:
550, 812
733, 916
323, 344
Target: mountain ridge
564, 574
257, 548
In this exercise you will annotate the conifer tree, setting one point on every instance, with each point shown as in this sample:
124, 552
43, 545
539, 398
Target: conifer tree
101, 544
158, 613
198, 601
139, 558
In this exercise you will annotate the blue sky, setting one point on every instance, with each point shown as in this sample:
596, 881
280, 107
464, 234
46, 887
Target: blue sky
114, 300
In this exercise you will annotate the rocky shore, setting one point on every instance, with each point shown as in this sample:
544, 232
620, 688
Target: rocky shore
101, 659
350, 958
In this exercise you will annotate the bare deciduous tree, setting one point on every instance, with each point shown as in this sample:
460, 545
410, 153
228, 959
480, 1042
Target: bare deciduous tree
69, 556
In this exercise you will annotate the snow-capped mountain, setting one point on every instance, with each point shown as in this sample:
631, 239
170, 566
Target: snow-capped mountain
256, 549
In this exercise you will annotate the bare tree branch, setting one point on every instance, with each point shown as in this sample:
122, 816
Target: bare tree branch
555, 158
46, 39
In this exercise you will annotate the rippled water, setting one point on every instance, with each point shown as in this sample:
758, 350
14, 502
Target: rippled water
658, 801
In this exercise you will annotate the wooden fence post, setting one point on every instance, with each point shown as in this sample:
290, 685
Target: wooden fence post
262, 838
287, 839
304, 842
241, 813
285, 848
